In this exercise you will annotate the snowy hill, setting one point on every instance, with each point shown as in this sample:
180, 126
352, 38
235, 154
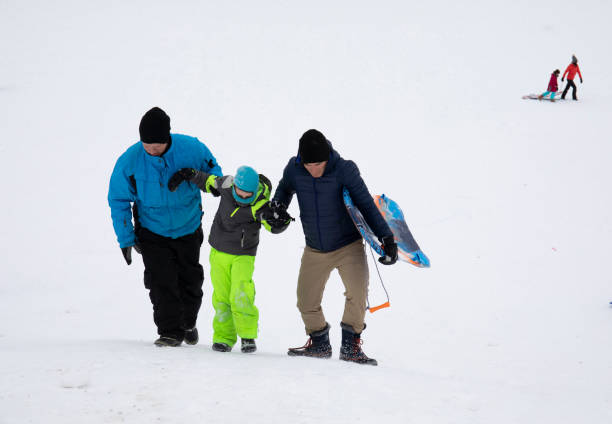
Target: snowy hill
509, 198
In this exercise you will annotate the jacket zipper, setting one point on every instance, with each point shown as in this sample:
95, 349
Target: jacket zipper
242, 240
314, 187
163, 178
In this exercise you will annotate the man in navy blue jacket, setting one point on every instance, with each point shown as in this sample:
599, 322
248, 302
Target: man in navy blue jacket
317, 175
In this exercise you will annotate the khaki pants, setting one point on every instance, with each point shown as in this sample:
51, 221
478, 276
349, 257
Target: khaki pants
352, 265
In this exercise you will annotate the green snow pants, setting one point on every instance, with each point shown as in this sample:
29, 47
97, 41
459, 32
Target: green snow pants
233, 297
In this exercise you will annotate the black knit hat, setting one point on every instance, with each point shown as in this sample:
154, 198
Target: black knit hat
314, 147
155, 127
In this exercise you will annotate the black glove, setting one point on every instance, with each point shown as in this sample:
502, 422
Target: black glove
276, 214
580, 80
562, 79
390, 247
280, 211
127, 252
180, 176
214, 192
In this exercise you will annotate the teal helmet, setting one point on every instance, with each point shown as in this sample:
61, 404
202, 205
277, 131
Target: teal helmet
246, 179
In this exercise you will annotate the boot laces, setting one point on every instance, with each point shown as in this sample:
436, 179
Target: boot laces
306, 346
357, 349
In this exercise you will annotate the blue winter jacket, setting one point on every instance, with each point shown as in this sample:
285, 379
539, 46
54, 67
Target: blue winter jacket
142, 178
325, 220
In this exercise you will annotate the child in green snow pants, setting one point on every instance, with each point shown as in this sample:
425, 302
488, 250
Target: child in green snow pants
233, 297
244, 207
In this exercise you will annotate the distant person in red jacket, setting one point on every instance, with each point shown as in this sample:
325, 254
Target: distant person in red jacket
571, 73
552, 86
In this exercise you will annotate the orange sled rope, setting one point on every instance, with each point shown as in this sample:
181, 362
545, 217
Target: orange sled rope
386, 304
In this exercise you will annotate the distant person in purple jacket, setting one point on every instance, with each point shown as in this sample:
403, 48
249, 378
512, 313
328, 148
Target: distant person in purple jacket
553, 86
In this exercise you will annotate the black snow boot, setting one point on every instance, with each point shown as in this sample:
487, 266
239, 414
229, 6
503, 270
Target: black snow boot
164, 341
191, 336
248, 346
351, 347
317, 346
221, 347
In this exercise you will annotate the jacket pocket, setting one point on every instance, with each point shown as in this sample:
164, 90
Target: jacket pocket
150, 192
249, 239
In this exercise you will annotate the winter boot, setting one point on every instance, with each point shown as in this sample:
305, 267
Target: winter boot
317, 346
221, 347
248, 346
351, 347
191, 336
164, 341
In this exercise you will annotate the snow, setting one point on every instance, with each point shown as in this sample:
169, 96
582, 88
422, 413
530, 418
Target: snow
508, 197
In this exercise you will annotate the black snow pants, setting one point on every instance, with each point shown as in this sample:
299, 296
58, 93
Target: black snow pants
570, 83
174, 277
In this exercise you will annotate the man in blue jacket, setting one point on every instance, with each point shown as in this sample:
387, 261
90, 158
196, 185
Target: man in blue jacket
167, 228
317, 175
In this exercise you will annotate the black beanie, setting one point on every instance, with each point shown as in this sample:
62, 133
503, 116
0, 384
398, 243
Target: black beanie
155, 127
314, 147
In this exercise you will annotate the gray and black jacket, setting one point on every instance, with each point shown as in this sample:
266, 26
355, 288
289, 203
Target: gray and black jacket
235, 228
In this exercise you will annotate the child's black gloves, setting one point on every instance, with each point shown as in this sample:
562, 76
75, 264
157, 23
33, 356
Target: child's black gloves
279, 211
180, 176
275, 214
